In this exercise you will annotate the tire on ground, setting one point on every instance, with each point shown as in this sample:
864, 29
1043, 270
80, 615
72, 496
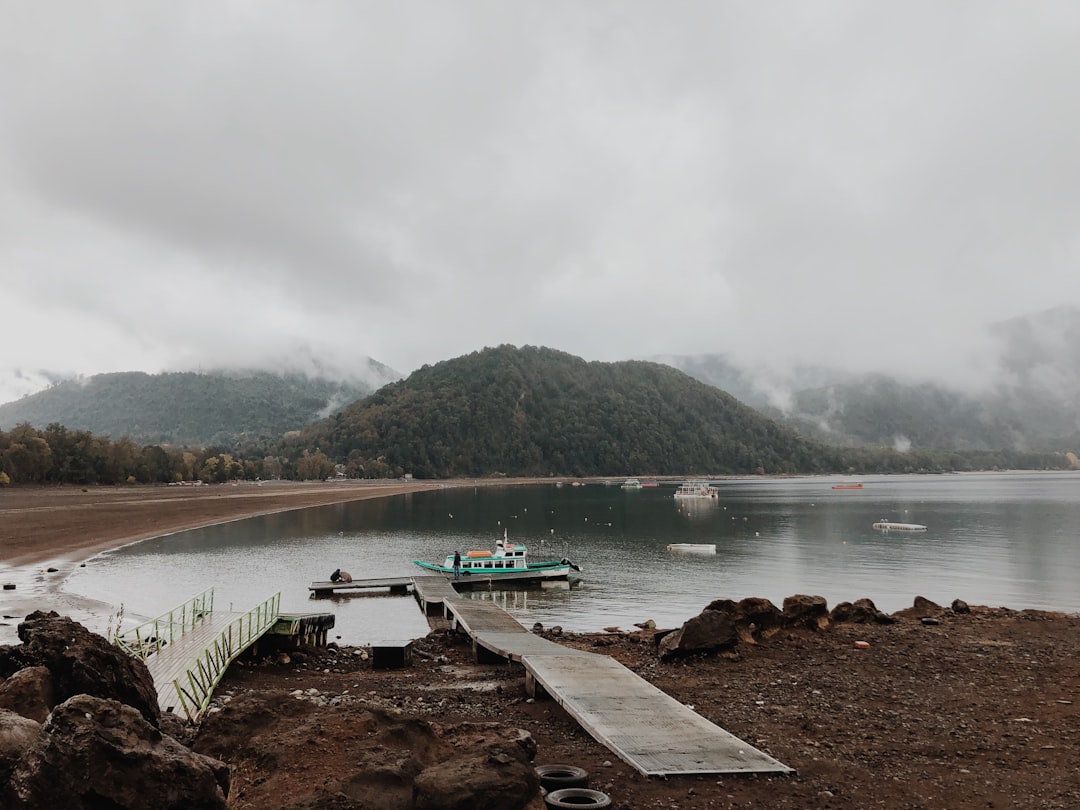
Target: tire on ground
554, 777
577, 797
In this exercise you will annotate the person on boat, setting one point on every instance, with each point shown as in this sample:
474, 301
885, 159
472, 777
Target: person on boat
340, 576
457, 565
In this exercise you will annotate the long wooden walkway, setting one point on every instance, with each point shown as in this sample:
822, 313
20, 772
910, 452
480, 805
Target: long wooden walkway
648, 729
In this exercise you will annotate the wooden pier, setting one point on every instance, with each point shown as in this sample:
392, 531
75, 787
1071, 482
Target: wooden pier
188, 649
396, 585
648, 729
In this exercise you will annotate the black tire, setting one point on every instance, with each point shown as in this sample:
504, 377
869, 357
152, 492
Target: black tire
556, 777
577, 797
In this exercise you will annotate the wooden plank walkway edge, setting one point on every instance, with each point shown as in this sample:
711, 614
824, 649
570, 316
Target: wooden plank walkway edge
639, 723
644, 726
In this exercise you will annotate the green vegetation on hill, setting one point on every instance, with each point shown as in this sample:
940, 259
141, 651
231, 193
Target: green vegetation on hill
520, 412
537, 411
185, 407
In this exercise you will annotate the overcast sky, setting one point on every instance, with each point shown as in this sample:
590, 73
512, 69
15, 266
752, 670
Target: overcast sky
188, 185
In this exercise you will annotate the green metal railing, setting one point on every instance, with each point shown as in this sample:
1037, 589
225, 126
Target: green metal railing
149, 637
205, 673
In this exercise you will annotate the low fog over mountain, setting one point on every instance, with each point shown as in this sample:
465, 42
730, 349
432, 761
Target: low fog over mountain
1027, 397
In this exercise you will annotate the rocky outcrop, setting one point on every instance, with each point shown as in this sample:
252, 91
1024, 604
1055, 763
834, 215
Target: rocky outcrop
725, 623
31, 692
755, 618
922, 608
806, 612
709, 631
861, 611
95, 753
17, 734
80, 663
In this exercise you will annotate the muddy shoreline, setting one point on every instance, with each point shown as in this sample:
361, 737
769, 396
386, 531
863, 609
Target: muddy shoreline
47, 532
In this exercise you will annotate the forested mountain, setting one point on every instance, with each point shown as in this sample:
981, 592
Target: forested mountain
537, 411
525, 412
1028, 401
187, 407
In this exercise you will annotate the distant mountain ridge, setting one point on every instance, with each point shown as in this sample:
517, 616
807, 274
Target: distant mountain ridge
199, 408
538, 411
1029, 403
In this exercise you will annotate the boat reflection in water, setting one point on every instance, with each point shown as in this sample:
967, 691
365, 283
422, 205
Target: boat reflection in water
697, 508
517, 597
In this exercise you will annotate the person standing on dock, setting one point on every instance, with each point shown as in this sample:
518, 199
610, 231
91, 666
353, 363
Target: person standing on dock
457, 565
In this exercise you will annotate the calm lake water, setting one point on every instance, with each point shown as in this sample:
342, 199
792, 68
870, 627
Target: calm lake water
1009, 539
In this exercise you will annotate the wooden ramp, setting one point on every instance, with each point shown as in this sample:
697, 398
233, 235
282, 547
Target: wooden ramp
170, 665
188, 649
648, 729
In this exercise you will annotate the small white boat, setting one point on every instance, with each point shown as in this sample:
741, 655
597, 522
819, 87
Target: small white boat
696, 489
889, 526
693, 548
631, 483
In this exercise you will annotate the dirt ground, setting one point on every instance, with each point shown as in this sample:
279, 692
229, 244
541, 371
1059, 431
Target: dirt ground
979, 710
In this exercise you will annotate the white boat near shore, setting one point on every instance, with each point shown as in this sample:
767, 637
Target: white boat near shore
889, 526
692, 548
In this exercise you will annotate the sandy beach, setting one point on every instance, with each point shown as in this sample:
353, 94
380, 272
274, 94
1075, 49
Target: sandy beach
46, 532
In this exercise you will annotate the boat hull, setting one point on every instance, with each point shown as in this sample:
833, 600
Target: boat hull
539, 573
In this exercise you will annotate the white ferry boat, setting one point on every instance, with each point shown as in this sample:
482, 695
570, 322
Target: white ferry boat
697, 489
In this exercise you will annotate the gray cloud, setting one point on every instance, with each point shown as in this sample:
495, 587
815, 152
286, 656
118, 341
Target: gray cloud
866, 185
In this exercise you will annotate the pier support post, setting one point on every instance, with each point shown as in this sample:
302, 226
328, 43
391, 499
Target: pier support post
482, 655
533, 688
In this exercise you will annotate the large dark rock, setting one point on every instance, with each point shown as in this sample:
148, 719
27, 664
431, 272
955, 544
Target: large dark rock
709, 631
754, 617
861, 611
31, 692
94, 753
960, 606
809, 612
922, 608
81, 662
17, 734
496, 779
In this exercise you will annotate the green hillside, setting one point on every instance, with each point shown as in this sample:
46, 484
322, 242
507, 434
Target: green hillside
185, 407
537, 411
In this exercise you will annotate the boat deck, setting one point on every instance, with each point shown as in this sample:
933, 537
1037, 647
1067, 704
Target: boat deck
648, 729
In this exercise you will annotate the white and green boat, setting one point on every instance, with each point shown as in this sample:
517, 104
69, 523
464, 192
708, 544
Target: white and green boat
509, 562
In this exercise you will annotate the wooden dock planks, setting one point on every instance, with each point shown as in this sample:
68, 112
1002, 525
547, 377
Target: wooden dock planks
648, 729
173, 660
645, 727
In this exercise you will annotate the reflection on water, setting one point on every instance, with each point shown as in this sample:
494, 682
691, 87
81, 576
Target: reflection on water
998, 539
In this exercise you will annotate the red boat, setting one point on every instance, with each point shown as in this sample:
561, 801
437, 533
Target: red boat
847, 486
